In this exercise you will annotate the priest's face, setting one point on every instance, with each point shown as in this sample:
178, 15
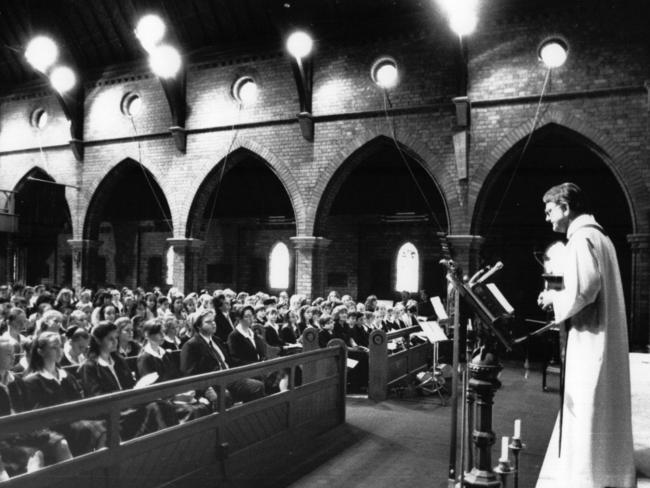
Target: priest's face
557, 214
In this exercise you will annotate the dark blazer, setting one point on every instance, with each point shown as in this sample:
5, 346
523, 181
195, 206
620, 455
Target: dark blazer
360, 335
168, 345
223, 326
289, 335
242, 350
98, 380
272, 336
165, 366
198, 357
13, 397
324, 336
132, 349
43, 392
342, 331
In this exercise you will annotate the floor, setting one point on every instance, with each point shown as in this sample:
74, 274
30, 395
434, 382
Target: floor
405, 442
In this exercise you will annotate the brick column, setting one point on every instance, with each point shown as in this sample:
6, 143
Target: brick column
83, 253
185, 273
639, 312
465, 251
310, 264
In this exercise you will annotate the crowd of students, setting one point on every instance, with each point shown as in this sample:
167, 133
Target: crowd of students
60, 347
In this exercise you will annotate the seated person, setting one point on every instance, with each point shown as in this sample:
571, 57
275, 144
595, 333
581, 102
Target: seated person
51, 321
290, 333
244, 345
127, 347
75, 347
325, 334
154, 359
79, 318
171, 341
47, 385
17, 324
204, 353
358, 375
105, 371
358, 330
29, 452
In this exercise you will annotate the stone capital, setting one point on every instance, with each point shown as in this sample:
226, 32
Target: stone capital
83, 244
639, 241
462, 241
307, 243
185, 243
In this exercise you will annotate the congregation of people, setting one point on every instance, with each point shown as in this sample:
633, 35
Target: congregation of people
57, 346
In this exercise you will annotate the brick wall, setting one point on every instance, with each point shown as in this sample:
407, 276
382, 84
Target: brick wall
598, 94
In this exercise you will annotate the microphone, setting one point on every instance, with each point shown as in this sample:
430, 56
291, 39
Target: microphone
475, 276
497, 267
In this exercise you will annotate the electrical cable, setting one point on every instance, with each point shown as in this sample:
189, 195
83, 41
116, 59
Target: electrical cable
408, 166
146, 177
523, 151
223, 169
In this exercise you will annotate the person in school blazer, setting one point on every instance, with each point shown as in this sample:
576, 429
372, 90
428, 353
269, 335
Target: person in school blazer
222, 317
242, 350
199, 355
105, 371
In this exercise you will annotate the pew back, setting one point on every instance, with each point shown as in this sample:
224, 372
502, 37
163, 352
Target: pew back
388, 368
202, 450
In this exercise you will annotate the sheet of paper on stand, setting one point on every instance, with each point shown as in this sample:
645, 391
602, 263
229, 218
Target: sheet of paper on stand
433, 332
439, 308
352, 363
499, 296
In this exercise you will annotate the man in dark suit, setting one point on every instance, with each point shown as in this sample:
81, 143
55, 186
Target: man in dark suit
205, 352
222, 317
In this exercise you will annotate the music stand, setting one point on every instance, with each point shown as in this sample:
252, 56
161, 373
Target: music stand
433, 382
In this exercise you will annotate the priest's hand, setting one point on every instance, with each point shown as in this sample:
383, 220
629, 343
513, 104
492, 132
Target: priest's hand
545, 300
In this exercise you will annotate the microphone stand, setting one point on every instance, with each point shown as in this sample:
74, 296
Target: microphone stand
482, 371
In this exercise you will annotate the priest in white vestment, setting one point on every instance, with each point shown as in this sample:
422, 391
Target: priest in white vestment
597, 449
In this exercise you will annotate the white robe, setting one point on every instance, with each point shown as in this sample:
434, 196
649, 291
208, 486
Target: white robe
597, 447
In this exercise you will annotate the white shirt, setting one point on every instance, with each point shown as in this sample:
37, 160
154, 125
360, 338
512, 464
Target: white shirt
148, 348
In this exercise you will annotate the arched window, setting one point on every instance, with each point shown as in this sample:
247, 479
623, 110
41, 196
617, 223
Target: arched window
408, 266
279, 266
170, 266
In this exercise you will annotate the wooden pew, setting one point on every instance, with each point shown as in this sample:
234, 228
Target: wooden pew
388, 368
204, 451
318, 368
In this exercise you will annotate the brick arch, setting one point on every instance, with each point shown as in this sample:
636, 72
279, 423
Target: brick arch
625, 169
203, 184
38, 172
101, 190
348, 159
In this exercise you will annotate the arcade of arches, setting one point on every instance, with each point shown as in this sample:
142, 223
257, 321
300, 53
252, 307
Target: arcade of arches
371, 209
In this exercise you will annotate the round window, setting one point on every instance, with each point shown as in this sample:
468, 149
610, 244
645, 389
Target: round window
39, 118
131, 104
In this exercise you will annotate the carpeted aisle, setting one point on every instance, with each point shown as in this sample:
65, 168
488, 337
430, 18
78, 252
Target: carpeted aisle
405, 442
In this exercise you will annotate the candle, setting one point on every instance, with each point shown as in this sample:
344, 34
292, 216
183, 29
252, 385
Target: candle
504, 448
517, 434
